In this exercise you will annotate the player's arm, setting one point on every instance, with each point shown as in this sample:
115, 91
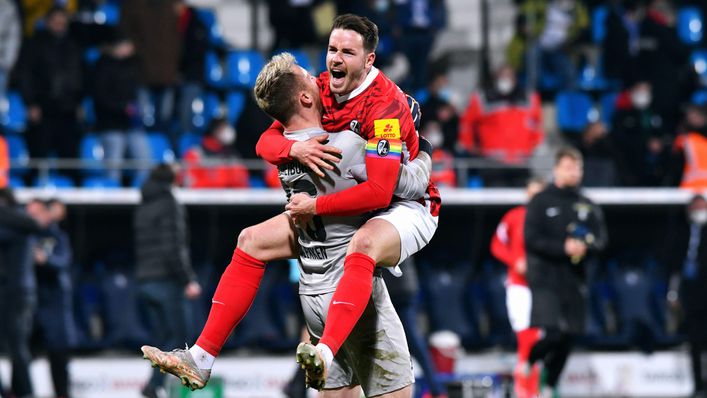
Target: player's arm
274, 148
501, 244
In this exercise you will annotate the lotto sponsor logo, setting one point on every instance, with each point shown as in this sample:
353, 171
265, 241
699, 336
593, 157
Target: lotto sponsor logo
387, 128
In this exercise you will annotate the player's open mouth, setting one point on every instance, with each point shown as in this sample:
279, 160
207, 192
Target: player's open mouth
337, 76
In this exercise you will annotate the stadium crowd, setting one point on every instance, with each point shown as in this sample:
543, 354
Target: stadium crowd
95, 93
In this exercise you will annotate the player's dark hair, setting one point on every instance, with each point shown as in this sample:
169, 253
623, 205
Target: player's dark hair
567, 152
163, 173
361, 25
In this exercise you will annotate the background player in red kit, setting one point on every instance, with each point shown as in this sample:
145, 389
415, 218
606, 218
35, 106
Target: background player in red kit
358, 97
508, 246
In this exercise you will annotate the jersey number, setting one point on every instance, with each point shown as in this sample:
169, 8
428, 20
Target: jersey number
315, 228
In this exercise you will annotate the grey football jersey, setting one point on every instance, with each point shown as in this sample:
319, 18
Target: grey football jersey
323, 241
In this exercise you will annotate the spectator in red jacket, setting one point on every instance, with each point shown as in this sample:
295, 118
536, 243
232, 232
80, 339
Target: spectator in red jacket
503, 124
214, 163
443, 174
508, 246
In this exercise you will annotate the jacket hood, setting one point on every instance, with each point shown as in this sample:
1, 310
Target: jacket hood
154, 189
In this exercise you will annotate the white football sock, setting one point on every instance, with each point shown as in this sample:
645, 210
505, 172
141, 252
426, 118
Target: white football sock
203, 359
326, 353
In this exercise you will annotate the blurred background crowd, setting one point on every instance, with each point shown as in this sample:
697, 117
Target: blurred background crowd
94, 93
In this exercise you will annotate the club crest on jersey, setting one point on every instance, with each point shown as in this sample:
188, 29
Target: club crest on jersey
383, 148
387, 128
355, 126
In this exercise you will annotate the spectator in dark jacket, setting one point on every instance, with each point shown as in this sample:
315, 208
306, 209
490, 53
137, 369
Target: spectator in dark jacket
115, 93
52, 262
640, 137
153, 25
562, 228
18, 288
52, 87
195, 44
164, 272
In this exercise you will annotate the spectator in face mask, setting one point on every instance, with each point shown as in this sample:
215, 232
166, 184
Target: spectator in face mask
688, 258
215, 163
443, 174
439, 109
689, 171
640, 137
503, 124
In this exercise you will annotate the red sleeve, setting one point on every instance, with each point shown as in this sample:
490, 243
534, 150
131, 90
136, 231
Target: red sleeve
382, 167
507, 242
273, 147
501, 243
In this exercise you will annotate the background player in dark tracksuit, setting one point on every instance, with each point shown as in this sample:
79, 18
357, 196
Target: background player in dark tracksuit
562, 228
18, 288
52, 264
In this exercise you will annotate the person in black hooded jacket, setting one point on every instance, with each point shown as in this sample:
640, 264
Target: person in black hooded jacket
562, 229
164, 272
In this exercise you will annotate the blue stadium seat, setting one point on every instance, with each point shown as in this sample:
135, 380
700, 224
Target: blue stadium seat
301, 57
100, 183
699, 97
89, 111
574, 110
599, 23
91, 55
19, 155
13, 114
16, 182
92, 155
203, 109
256, 182
690, 25
188, 141
243, 67
698, 59
235, 102
53, 181
107, 14
591, 79
215, 75
160, 148
608, 107
208, 17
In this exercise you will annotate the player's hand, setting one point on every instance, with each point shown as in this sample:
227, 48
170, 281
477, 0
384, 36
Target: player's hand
575, 248
40, 256
192, 290
301, 206
521, 266
315, 155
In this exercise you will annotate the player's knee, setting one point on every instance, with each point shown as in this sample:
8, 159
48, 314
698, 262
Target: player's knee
361, 243
247, 241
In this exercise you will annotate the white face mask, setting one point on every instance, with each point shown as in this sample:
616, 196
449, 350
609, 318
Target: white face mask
435, 138
505, 85
699, 217
227, 135
641, 99
381, 5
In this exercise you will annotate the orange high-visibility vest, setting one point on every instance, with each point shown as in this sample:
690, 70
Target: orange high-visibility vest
4, 163
694, 146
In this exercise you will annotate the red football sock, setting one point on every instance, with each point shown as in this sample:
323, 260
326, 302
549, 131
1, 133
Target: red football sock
233, 297
349, 300
526, 340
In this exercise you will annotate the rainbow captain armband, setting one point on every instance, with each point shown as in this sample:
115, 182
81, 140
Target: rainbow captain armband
384, 148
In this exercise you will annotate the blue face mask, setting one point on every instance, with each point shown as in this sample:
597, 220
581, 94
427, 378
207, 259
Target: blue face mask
381, 6
445, 93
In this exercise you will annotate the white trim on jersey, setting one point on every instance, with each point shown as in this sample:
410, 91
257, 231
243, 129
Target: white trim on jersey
366, 82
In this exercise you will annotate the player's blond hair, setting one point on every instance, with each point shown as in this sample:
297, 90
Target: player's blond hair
276, 87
